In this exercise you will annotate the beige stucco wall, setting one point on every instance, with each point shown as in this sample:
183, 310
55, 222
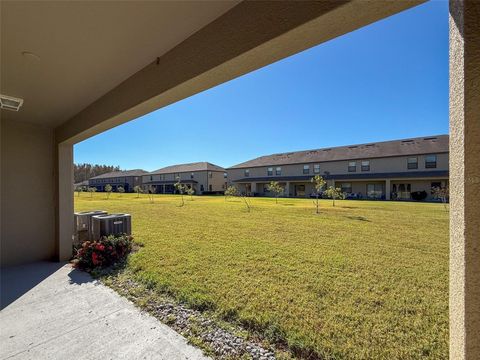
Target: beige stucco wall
27, 193
464, 180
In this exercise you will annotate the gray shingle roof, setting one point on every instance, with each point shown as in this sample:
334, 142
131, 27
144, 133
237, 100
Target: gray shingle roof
414, 146
166, 182
81, 183
135, 172
179, 168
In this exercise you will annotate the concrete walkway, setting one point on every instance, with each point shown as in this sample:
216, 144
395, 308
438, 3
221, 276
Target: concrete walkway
51, 311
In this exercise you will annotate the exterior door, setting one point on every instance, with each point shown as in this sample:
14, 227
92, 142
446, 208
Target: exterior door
404, 191
300, 190
374, 191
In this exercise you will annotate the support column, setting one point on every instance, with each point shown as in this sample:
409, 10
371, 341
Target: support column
387, 189
64, 194
464, 180
253, 188
287, 189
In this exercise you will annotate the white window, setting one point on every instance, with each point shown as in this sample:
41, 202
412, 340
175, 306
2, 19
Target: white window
316, 168
278, 171
270, 171
306, 169
247, 172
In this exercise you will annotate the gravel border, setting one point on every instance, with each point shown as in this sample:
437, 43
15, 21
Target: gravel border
201, 330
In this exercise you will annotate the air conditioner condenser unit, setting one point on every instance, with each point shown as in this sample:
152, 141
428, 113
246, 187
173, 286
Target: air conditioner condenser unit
111, 224
83, 224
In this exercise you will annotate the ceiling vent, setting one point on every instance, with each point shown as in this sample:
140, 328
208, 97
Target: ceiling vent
10, 103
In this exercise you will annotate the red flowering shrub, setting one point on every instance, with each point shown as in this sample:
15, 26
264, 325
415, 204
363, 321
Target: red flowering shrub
103, 253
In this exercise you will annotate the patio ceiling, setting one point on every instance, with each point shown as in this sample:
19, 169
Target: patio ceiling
78, 51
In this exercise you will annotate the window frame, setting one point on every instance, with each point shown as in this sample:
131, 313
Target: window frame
343, 187
270, 171
306, 169
246, 172
278, 171
412, 165
431, 164
315, 168
352, 168
365, 167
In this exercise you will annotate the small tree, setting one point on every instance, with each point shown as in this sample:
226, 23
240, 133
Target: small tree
138, 190
441, 193
230, 191
318, 184
108, 190
91, 190
150, 196
181, 190
275, 188
120, 190
190, 191
79, 189
246, 202
334, 193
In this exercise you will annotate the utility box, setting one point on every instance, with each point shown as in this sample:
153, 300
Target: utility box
83, 224
111, 224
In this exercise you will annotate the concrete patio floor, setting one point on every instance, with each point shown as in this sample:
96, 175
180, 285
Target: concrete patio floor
51, 311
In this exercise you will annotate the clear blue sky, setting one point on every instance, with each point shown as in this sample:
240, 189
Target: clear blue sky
386, 81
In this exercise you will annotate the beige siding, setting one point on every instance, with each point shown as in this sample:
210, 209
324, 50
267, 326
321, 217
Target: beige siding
217, 181
201, 177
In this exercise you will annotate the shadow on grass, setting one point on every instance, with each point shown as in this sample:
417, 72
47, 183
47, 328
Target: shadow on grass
359, 218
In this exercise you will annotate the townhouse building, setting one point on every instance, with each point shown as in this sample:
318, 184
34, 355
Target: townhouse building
390, 170
128, 179
203, 177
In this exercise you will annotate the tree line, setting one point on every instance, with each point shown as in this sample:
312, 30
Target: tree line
82, 172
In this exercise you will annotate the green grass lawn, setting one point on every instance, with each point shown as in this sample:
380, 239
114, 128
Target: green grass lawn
362, 280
